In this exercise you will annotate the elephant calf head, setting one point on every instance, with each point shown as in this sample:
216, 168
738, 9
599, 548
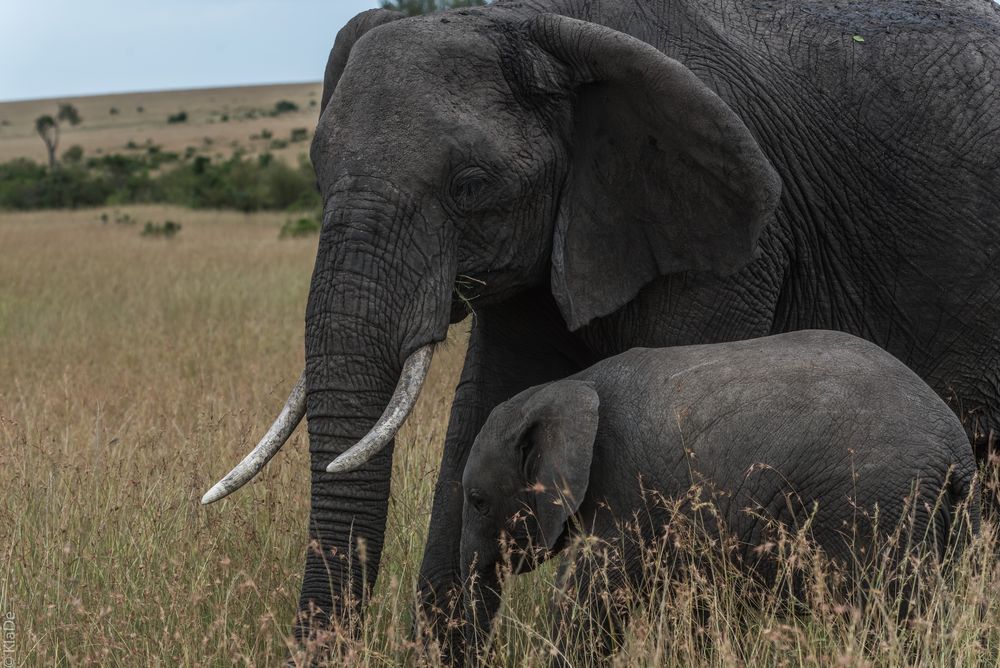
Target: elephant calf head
526, 475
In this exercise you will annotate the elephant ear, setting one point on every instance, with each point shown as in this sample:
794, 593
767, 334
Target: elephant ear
345, 41
556, 452
664, 176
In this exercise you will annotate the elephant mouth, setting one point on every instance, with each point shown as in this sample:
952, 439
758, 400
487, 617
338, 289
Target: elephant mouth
471, 292
466, 292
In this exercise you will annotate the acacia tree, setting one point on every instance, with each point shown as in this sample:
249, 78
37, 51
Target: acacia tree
415, 7
68, 113
47, 128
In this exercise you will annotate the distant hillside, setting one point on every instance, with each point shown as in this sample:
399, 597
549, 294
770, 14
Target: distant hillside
218, 120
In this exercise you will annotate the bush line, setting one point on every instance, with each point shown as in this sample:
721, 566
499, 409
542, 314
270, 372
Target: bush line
239, 182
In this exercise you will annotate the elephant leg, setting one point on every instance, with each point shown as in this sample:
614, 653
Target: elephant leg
513, 346
591, 604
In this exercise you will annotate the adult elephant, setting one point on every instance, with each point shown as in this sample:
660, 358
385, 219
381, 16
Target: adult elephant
595, 176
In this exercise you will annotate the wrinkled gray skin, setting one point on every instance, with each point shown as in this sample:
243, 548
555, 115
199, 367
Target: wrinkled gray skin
607, 196
811, 425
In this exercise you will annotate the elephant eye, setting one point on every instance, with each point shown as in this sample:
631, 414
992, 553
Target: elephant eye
479, 502
469, 187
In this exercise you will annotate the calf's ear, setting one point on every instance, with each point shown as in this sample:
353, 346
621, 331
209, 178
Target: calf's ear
342, 46
556, 452
664, 177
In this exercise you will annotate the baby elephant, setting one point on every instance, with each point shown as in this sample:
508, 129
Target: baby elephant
810, 430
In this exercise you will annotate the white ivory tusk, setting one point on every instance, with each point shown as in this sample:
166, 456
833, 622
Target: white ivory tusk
275, 437
411, 379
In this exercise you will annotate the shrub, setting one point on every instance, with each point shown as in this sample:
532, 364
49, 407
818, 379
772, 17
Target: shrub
302, 227
292, 188
73, 154
299, 134
278, 144
139, 109
165, 230
25, 184
200, 164
157, 156
179, 117
125, 178
124, 219
284, 106
113, 111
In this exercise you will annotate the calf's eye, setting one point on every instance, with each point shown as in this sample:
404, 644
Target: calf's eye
478, 502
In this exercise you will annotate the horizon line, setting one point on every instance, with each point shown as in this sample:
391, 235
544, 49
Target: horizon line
158, 90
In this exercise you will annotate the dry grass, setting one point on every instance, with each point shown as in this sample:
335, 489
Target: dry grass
134, 372
102, 132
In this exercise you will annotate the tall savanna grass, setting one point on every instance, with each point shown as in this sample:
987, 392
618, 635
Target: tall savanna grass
135, 371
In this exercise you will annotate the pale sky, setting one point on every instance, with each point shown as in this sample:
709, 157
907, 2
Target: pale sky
56, 48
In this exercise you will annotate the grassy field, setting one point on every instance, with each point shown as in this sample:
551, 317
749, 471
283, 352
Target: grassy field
102, 132
135, 371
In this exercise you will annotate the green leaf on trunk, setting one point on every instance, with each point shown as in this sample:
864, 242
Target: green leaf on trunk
858, 38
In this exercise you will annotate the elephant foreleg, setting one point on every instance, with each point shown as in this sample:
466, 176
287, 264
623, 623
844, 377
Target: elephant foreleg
513, 346
590, 608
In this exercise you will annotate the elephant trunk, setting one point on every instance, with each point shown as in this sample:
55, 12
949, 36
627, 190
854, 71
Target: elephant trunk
347, 510
404, 397
377, 303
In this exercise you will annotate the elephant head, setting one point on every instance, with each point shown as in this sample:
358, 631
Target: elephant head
472, 155
526, 475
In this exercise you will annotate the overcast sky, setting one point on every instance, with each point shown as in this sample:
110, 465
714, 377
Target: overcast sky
52, 48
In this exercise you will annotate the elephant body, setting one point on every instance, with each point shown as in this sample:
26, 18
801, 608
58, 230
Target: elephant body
886, 227
591, 176
816, 431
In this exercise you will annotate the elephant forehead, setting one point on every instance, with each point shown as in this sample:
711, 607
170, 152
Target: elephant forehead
495, 448
486, 460
421, 99
417, 61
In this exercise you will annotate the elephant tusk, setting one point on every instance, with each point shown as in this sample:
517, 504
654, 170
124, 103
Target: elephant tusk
411, 379
275, 437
